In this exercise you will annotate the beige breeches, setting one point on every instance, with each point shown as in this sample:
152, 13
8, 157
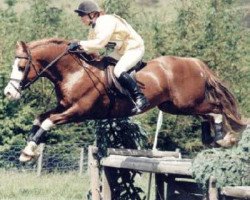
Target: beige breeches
128, 60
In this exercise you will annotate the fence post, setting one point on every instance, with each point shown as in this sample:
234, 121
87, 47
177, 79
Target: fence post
81, 162
170, 187
159, 186
106, 183
94, 174
212, 190
40, 160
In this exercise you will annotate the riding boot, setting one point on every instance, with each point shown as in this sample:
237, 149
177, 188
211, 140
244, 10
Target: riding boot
130, 84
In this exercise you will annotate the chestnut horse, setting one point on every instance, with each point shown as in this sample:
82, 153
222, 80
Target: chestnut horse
182, 86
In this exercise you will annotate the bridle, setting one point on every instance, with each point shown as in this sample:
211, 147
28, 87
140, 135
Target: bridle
24, 84
26, 71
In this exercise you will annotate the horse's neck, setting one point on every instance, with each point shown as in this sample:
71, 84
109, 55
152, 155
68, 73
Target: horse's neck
71, 69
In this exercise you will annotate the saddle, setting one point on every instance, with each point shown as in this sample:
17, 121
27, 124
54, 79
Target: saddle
113, 83
108, 63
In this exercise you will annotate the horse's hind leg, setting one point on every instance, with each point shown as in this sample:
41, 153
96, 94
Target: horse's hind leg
213, 110
209, 109
218, 127
206, 137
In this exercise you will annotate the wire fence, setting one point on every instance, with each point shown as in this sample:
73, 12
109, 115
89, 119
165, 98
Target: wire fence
53, 158
3, 83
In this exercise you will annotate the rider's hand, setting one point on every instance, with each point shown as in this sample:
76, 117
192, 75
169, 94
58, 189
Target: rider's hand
73, 46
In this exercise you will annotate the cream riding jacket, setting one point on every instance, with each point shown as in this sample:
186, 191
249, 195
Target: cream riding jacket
112, 28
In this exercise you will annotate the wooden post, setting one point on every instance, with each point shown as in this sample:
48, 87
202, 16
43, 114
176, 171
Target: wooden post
212, 190
106, 184
170, 187
81, 161
94, 174
40, 159
159, 187
177, 150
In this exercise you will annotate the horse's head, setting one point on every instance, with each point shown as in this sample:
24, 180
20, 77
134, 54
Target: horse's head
32, 61
24, 71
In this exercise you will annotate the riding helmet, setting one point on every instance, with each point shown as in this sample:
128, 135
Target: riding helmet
87, 7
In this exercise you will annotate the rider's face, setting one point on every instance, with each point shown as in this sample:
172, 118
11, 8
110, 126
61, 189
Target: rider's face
86, 20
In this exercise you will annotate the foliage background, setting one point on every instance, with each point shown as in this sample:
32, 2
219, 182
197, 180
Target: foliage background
216, 31
212, 30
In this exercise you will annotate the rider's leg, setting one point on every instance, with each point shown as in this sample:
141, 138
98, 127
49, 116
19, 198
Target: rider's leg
129, 83
126, 62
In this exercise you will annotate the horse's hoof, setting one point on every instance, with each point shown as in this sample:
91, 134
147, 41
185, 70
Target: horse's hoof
25, 158
224, 143
30, 149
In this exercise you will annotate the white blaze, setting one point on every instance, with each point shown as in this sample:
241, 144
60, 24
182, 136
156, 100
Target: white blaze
16, 76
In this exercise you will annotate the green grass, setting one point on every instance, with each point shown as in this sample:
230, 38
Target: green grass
65, 186
27, 186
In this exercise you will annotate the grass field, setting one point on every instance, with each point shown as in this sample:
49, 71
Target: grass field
27, 186
66, 186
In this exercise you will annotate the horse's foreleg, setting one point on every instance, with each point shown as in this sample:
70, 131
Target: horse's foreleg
52, 119
38, 130
38, 121
35, 127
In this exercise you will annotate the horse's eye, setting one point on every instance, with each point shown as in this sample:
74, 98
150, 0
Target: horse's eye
20, 68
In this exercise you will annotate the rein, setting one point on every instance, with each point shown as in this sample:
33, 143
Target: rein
38, 74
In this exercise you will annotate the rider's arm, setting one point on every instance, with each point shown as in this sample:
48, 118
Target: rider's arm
105, 26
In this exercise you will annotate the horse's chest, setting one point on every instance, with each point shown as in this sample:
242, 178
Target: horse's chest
73, 81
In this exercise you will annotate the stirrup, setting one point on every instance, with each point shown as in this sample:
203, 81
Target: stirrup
138, 109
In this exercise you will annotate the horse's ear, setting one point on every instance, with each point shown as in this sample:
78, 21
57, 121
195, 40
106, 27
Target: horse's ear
21, 45
21, 48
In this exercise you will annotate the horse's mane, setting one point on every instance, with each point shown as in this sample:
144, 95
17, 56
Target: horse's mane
47, 41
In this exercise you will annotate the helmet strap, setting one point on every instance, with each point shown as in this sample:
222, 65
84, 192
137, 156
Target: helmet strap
92, 17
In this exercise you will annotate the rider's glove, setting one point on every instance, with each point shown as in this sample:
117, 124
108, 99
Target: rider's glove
111, 45
73, 46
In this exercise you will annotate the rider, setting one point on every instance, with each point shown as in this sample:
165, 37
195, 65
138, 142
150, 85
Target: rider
129, 48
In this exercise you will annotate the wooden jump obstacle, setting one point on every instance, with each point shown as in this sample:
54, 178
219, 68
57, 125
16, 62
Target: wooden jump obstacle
173, 177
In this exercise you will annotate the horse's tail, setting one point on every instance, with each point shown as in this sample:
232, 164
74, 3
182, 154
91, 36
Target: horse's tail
218, 93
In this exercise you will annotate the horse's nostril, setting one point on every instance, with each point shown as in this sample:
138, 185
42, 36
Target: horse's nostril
7, 94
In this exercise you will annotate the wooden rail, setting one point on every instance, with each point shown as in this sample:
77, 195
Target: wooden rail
155, 165
242, 192
143, 153
171, 172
